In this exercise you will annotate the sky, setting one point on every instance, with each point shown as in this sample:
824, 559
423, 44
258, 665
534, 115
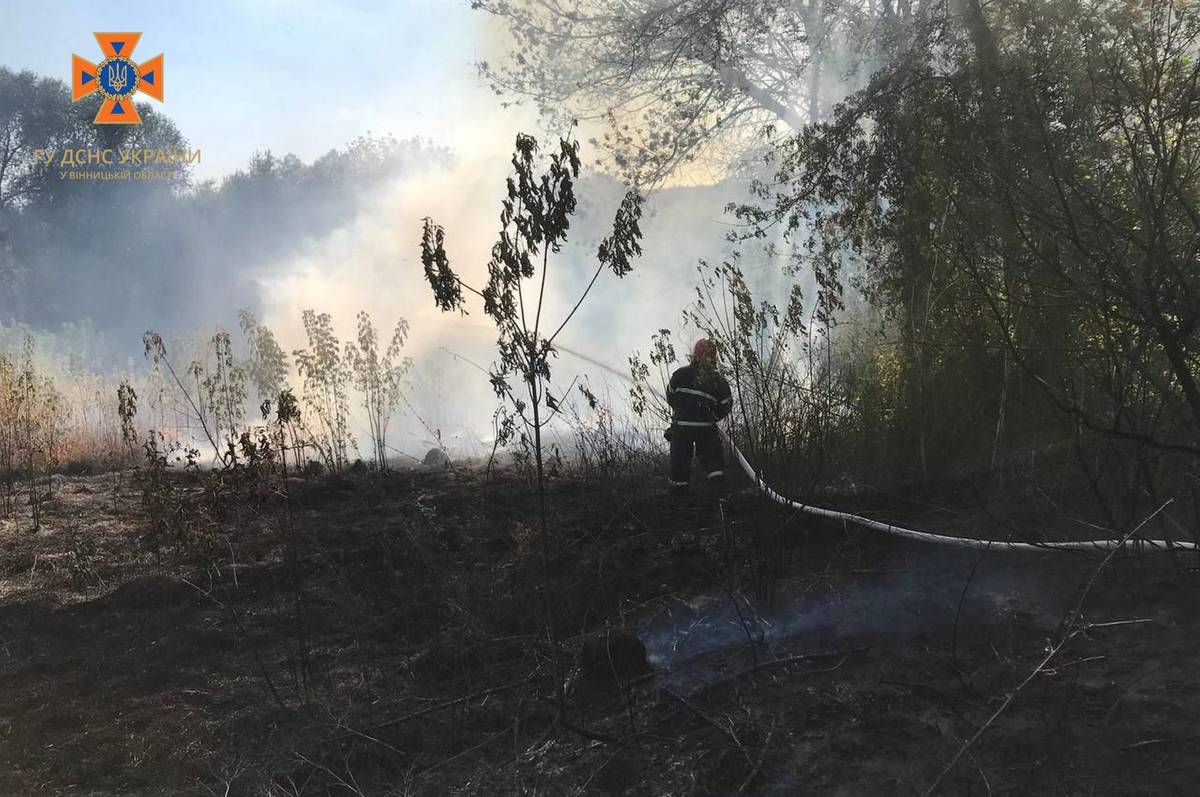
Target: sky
300, 76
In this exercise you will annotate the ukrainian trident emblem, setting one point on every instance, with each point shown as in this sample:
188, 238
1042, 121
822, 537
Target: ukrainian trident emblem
117, 78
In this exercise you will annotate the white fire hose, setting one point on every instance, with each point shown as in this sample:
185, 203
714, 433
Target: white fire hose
959, 542
1137, 544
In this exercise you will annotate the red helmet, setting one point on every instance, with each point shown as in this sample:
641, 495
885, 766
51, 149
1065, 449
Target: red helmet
704, 351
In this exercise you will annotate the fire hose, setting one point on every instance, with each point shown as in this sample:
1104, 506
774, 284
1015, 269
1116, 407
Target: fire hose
942, 539
766, 490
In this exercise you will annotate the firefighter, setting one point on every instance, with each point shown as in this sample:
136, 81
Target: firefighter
699, 397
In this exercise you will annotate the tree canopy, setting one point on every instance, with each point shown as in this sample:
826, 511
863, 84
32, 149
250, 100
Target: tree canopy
676, 81
1016, 192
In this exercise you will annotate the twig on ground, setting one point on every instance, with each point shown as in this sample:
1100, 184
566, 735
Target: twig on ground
1114, 623
962, 599
1085, 660
439, 707
762, 755
1149, 742
844, 654
982, 774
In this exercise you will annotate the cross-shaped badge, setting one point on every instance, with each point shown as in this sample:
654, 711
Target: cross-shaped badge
117, 78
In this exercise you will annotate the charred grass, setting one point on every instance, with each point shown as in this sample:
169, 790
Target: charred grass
403, 651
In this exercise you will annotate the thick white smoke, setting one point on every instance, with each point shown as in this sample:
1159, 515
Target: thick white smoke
372, 263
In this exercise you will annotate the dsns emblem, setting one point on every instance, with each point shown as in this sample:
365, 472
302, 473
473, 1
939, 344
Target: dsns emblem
117, 78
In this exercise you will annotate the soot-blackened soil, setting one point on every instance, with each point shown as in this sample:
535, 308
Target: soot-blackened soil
384, 636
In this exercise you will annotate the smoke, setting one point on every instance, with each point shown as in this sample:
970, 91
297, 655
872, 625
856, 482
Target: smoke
917, 593
372, 263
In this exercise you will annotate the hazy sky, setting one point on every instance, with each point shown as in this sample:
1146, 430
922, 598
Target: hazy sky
298, 76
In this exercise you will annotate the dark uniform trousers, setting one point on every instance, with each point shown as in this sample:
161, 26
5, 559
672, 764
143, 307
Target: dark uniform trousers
705, 442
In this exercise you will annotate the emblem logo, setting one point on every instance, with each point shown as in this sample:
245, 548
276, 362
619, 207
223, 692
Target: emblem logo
117, 78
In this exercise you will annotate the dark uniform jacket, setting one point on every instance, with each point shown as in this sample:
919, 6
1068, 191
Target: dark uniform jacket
699, 397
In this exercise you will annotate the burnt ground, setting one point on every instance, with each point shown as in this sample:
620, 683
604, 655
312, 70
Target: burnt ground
402, 650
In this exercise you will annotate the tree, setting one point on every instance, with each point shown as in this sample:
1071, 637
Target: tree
1020, 192
685, 79
534, 220
32, 116
37, 113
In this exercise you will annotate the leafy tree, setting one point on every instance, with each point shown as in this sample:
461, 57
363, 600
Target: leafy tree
37, 113
673, 81
32, 116
1018, 192
534, 220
